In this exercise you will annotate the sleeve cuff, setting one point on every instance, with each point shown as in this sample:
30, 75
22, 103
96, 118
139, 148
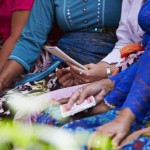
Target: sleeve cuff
20, 61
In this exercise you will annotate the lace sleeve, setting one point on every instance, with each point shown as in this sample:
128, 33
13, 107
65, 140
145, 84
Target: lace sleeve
123, 82
138, 99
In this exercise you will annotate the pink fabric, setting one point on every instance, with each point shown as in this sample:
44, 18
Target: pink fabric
7, 7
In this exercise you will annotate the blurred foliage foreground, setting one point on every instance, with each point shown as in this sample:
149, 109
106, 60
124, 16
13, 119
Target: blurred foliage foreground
22, 136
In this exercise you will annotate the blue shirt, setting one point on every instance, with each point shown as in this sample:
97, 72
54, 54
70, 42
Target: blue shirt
71, 15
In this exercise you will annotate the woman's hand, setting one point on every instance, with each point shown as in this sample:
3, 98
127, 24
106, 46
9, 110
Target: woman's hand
134, 136
97, 89
74, 75
95, 72
65, 77
119, 128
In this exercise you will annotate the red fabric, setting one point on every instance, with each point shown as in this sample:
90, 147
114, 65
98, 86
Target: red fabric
7, 7
130, 48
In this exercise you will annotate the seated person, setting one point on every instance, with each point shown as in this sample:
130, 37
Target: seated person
130, 96
125, 35
128, 32
11, 25
79, 28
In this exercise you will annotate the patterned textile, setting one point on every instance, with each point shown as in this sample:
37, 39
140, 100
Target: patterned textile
72, 43
142, 143
131, 48
43, 62
34, 88
46, 118
128, 61
90, 124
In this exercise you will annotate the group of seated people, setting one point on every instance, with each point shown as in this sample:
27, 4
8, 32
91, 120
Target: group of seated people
117, 61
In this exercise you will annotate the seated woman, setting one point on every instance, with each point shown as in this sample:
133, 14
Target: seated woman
130, 96
12, 22
85, 35
13, 17
11, 25
128, 32
125, 34
80, 27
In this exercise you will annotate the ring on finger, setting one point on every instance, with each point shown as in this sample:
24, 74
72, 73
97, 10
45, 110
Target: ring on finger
81, 73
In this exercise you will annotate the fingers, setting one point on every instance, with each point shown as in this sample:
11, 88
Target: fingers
78, 73
71, 83
75, 69
67, 83
63, 79
59, 73
101, 130
130, 138
117, 139
100, 96
63, 101
85, 93
73, 99
126, 141
62, 71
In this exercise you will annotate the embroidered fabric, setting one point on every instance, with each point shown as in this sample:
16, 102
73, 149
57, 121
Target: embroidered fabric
133, 89
122, 86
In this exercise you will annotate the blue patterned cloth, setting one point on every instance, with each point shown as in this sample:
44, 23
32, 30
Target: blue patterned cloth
142, 143
90, 124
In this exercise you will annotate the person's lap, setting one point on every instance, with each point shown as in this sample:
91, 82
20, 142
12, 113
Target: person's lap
142, 143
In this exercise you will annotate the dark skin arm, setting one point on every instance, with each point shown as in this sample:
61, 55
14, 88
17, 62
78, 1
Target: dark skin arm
11, 70
18, 21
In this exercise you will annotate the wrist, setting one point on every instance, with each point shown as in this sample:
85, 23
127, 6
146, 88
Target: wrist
111, 69
126, 116
107, 85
